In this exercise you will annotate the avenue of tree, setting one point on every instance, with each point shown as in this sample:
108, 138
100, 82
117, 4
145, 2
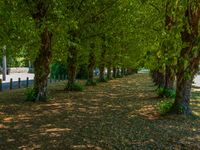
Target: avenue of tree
119, 35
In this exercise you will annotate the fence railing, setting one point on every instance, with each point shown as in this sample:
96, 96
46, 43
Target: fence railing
26, 83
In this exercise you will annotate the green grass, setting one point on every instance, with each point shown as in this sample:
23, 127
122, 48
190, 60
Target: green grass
120, 114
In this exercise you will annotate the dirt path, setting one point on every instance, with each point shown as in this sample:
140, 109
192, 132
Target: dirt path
117, 115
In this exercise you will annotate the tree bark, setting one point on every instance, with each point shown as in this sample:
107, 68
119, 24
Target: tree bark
169, 75
118, 72
184, 83
72, 59
126, 72
169, 78
101, 74
131, 71
158, 78
43, 59
182, 101
114, 72
41, 66
188, 62
91, 65
4, 63
123, 72
109, 72
102, 65
72, 67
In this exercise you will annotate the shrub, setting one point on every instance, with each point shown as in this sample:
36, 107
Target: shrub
58, 69
91, 83
119, 76
160, 92
164, 107
102, 80
31, 95
111, 78
82, 72
169, 93
75, 87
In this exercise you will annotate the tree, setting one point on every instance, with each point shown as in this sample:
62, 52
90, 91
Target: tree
189, 58
41, 22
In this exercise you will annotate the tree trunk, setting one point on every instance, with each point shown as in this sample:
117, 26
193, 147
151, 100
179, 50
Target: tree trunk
123, 72
153, 74
109, 72
118, 72
72, 59
184, 84
188, 62
169, 78
101, 74
41, 66
102, 65
91, 65
126, 72
169, 75
158, 78
114, 72
131, 71
72, 67
182, 101
4, 63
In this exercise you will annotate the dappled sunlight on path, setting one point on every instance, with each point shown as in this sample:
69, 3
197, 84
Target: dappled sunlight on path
120, 114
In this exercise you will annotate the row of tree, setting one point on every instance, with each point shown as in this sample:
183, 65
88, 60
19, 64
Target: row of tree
177, 55
99, 33
160, 35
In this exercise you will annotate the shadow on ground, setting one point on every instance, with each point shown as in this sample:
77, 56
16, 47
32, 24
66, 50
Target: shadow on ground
119, 115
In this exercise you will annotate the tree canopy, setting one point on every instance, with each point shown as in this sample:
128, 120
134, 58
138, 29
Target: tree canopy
162, 36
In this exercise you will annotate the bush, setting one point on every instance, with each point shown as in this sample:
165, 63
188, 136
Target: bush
75, 87
160, 92
91, 83
164, 107
102, 80
82, 72
119, 76
169, 93
58, 69
31, 95
111, 78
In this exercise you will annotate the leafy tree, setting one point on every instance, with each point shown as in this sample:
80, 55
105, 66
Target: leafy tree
41, 17
189, 57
